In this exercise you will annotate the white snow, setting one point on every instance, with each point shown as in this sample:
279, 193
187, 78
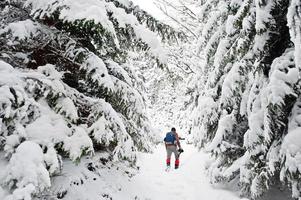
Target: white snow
151, 182
291, 146
150, 7
26, 171
294, 23
78, 143
292, 149
232, 82
221, 51
8, 76
230, 29
188, 182
94, 63
101, 131
50, 71
11, 142
48, 128
263, 15
66, 107
126, 3
151, 40
97, 11
21, 30
283, 75
124, 148
225, 126
24, 193
2, 193
51, 160
118, 71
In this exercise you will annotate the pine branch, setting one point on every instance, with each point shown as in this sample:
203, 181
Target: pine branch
167, 32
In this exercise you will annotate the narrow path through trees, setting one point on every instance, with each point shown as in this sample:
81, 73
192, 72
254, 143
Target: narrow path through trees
188, 182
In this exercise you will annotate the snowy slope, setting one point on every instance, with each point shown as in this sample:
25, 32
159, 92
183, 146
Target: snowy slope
150, 182
188, 182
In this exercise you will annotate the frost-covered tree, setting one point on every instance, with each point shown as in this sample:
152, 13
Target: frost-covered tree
252, 67
68, 88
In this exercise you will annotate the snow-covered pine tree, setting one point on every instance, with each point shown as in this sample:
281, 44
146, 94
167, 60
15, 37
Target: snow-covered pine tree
67, 86
290, 147
242, 116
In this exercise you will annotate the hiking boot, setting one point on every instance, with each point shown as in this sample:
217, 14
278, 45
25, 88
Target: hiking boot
176, 166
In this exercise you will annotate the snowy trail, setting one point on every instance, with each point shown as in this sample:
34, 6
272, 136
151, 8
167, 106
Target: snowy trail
188, 182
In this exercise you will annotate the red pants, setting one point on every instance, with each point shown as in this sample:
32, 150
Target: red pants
177, 162
172, 149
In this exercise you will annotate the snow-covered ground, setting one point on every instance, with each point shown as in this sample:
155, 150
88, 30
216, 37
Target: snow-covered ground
150, 182
188, 182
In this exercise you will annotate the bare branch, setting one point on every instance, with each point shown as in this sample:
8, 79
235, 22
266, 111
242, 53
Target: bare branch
164, 10
190, 13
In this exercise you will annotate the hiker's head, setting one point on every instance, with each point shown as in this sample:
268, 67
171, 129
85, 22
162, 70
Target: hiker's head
173, 129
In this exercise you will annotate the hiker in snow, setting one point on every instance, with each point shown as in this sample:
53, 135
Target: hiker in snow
171, 143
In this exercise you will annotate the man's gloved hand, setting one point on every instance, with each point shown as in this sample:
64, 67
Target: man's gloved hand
180, 150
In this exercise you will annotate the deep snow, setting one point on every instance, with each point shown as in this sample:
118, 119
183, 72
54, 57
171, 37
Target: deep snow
188, 182
150, 182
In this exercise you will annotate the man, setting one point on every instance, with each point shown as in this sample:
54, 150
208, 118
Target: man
171, 142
